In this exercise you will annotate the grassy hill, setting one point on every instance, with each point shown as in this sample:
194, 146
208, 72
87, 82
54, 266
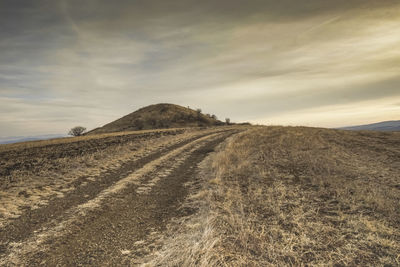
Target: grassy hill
158, 116
386, 126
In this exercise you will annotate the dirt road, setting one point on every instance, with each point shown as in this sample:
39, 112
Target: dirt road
112, 220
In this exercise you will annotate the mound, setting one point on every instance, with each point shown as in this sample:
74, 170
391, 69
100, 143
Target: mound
158, 116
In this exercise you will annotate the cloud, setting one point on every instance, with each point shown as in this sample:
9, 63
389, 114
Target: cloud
337, 115
94, 61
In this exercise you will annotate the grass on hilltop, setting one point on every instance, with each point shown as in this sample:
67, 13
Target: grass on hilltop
159, 116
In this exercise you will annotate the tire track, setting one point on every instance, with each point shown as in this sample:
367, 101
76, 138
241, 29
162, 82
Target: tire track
32, 220
150, 172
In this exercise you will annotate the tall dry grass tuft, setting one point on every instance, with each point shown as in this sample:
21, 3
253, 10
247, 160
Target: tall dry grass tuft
294, 196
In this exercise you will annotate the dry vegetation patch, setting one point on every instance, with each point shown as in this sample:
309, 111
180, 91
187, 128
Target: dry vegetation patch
294, 196
34, 172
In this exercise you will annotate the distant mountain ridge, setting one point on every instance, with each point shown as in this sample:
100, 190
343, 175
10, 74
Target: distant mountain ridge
389, 126
17, 139
159, 116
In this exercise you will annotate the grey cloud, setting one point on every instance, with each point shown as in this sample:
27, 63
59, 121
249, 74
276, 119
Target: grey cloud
97, 60
147, 10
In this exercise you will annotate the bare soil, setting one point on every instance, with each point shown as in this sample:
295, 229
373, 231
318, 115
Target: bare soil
18, 157
113, 219
35, 173
267, 196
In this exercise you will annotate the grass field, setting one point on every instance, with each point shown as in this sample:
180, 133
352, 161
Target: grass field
268, 196
293, 196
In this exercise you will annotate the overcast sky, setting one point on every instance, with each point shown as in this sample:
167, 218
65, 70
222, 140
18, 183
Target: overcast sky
312, 62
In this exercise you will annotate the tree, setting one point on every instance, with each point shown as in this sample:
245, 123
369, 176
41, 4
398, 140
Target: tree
198, 111
214, 116
228, 121
77, 131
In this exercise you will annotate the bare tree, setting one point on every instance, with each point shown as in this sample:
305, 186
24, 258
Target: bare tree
227, 121
198, 111
77, 131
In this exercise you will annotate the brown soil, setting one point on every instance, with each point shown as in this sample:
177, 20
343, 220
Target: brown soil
35, 173
31, 220
74, 231
20, 158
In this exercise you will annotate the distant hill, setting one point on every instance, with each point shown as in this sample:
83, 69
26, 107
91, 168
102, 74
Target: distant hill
389, 126
17, 139
158, 116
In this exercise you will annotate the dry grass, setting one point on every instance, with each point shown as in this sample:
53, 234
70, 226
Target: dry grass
40, 241
67, 140
32, 173
159, 116
294, 196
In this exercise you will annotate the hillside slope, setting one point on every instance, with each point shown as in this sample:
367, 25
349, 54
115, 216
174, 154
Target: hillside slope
18, 139
389, 126
157, 117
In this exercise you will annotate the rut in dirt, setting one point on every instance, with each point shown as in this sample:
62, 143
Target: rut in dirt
123, 228
32, 220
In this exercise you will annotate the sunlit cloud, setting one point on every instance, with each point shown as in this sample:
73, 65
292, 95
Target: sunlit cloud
71, 62
384, 109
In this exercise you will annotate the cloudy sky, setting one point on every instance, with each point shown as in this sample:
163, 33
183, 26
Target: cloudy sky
312, 62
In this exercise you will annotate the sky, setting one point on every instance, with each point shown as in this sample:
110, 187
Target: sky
288, 62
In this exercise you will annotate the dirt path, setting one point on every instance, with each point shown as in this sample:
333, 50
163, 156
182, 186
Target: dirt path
110, 221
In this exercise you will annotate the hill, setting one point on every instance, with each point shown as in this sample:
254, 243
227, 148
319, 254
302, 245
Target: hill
390, 126
18, 139
158, 116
